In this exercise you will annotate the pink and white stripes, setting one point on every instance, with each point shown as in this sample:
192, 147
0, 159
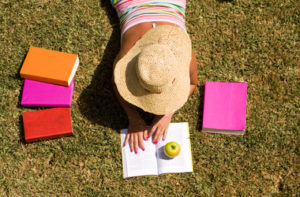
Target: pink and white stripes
132, 12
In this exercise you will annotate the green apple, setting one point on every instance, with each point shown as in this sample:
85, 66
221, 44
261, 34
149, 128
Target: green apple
172, 149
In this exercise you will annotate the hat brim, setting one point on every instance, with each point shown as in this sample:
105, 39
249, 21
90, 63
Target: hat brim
127, 81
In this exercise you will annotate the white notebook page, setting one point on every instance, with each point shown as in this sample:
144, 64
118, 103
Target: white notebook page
178, 132
143, 163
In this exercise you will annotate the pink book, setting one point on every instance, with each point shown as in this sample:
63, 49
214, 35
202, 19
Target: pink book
37, 93
224, 108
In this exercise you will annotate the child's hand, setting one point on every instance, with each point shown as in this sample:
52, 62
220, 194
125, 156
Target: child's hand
137, 133
160, 124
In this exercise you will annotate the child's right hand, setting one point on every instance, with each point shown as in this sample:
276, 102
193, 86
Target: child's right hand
137, 133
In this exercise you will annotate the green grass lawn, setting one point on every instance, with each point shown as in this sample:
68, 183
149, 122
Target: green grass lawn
239, 40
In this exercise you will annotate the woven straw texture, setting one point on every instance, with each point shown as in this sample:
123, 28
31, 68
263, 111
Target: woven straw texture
145, 74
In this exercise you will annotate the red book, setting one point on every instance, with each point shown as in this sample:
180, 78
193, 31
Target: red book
47, 124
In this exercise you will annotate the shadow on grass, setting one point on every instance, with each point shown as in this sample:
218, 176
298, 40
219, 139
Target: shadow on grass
97, 102
18, 76
21, 129
200, 108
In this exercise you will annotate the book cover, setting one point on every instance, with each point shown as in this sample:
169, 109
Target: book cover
47, 124
224, 107
36, 93
49, 66
153, 161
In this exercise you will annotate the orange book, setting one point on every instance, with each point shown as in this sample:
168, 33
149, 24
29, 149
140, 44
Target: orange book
49, 66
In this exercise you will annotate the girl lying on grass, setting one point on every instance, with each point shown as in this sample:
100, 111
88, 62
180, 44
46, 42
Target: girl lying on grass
155, 69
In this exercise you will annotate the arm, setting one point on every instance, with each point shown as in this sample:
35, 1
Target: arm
193, 74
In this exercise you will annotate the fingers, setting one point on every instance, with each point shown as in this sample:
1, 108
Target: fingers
141, 142
145, 135
154, 138
165, 135
161, 133
131, 142
126, 140
136, 142
152, 131
158, 135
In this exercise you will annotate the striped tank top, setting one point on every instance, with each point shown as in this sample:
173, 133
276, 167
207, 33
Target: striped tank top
132, 12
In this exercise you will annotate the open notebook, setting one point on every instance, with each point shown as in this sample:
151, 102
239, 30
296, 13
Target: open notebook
153, 161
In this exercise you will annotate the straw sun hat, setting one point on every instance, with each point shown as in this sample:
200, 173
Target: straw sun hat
145, 75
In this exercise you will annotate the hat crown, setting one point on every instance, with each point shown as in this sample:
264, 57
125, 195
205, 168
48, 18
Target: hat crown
155, 68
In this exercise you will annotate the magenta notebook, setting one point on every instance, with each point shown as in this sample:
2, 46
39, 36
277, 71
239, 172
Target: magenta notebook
224, 108
37, 93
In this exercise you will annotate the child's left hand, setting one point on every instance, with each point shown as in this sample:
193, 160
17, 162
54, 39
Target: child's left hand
160, 124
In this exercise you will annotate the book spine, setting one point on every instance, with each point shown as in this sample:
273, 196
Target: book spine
34, 139
23, 103
44, 79
224, 133
205, 86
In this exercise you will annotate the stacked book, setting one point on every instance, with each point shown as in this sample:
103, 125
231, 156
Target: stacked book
48, 83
